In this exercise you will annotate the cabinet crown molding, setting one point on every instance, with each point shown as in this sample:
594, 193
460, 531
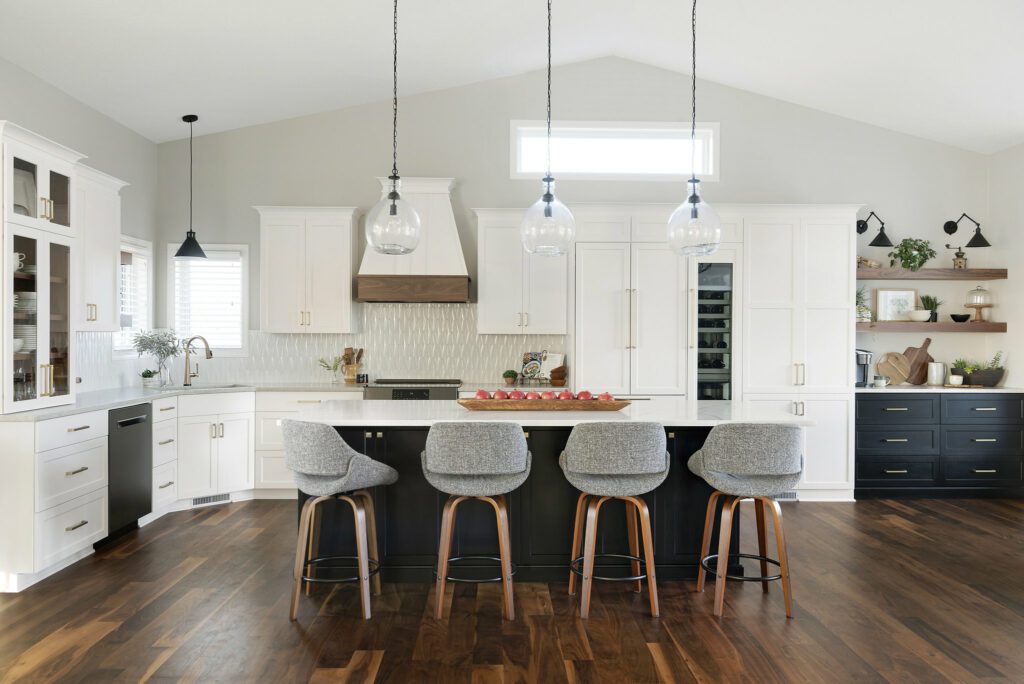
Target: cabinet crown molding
13, 131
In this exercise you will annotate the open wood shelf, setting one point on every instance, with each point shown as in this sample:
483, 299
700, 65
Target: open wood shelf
931, 274
914, 327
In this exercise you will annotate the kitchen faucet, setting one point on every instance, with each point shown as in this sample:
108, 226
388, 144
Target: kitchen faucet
188, 354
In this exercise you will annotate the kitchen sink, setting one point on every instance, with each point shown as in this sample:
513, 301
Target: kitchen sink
180, 388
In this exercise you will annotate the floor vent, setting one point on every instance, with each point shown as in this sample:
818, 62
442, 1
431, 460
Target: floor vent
788, 496
219, 498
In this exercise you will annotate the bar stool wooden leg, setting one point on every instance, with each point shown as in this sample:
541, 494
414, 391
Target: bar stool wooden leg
705, 544
762, 540
362, 551
589, 546
300, 552
577, 537
313, 550
648, 537
505, 551
371, 536
444, 552
780, 540
634, 543
724, 538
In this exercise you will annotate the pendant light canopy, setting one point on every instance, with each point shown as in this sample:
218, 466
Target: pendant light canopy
190, 248
393, 226
548, 228
694, 228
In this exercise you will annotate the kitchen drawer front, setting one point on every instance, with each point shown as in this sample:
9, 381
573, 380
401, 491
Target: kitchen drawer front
271, 472
1005, 409
296, 401
165, 409
906, 471
165, 485
896, 440
216, 404
898, 409
165, 442
982, 441
995, 471
81, 427
70, 472
70, 527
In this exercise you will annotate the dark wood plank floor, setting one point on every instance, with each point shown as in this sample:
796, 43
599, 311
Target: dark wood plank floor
885, 591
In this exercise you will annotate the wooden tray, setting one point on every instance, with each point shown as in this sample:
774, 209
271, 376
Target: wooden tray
543, 404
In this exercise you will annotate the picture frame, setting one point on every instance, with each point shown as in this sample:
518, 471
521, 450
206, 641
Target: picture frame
894, 305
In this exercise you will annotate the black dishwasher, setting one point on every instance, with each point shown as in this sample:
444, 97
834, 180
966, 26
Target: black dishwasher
129, 466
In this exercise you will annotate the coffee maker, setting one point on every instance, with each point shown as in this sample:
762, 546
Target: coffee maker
863, 357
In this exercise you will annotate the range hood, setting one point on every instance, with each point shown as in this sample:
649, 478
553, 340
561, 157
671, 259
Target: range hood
436, 269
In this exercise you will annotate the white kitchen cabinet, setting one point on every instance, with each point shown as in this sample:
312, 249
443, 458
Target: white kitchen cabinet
603, 347
658, 316
517, 292
39, 179
215, 454
97, 210
306, 262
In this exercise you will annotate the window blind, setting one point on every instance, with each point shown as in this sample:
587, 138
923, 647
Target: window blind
134, 296
208, 298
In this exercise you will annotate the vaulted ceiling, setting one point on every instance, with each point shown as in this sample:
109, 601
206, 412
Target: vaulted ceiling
943, 70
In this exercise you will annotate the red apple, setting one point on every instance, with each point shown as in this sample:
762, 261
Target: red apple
483, 394
548, 395
605, 396
565, 394
516, 394
585, 396
533, 395
501, 394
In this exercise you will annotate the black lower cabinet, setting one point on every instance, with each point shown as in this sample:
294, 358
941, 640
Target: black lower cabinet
541, 513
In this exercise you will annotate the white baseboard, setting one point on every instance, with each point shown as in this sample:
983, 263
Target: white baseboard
15, 582
826, 495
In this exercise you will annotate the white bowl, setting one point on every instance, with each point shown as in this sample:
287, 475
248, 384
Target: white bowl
919, 315
18, 344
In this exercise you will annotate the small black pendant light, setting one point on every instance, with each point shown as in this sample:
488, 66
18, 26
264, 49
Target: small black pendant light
880, 240
190, 248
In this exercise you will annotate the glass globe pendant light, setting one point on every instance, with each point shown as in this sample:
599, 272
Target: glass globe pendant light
392, 225
694, 228
548, 228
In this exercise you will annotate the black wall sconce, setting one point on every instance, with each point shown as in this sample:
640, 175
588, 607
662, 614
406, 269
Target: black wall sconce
881, 240
977, 240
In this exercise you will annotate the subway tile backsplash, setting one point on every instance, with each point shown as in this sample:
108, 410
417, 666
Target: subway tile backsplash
401, 340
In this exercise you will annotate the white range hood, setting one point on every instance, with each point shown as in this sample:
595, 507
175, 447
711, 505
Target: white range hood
436, 269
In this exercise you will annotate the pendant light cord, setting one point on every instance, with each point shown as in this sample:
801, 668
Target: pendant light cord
693, 92
190, 177
549, 92
394, 96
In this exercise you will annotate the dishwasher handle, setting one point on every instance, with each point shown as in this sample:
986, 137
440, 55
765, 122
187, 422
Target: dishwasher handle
134, 420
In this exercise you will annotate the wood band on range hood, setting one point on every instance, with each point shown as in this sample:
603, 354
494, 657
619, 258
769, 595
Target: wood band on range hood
418, 289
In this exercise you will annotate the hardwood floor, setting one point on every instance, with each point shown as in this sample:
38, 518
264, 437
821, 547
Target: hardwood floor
884, 591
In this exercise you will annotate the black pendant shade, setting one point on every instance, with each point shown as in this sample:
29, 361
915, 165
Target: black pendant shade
977, 240
880, 240
190, 248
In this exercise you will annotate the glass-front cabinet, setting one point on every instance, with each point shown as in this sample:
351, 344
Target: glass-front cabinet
38, 344
713, 323
38, 189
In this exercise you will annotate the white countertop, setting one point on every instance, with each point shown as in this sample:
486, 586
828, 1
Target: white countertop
668, 412
925, 389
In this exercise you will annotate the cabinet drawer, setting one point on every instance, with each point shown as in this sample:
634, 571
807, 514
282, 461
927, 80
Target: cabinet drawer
896, 470
982, 441
271, 472
81, 427
70, 527
983, 409
165, 485
993, 471
69, 472
268, 430
296, 401
897, 439
213, 404
899, 409
165, 409
165, 442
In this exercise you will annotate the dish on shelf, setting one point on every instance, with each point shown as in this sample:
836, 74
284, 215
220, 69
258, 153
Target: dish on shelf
919, 315
960, 318
18, 345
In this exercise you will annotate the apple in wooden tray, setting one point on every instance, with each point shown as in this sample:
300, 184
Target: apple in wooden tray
565, 395
605, 396
501, 394
533, 395
548, 395
584, 396
517, 395
482, 394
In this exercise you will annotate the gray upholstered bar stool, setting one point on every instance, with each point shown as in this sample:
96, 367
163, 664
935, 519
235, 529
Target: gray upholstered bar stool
469, 460
614, 460
326, 467
747, 461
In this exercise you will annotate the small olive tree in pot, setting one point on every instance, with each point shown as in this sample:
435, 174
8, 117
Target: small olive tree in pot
162, 345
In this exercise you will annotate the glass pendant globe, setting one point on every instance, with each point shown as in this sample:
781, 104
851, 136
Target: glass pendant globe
393, 226
548, 228
694, 228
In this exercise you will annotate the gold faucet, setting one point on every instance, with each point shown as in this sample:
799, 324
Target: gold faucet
188, 355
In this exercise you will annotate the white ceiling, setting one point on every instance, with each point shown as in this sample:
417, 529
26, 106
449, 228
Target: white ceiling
943, 70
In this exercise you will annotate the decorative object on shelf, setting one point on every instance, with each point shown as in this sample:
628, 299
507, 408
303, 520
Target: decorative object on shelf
911, 253
190, 248
558, 376
880, 240
550, 362
162, 345
919, 315
960, 318
959, 257
510, 377
881, 381
150, 379
936, 374
532, 362
694, 228
895, 366
978, 299
332, 366
932, 304
918, 358
864, 262
863, 310
548, 228
955, 380
392, 225
568, 403
894, 305
988, 374
351, 360
977, 240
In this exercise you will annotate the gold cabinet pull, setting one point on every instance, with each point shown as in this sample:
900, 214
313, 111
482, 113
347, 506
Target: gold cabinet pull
165, 485
74, 527
984, 471
167, 408
896, 439
76, 471
220, 430
368, 435
79, 428
165, 442
309, 401
901, 471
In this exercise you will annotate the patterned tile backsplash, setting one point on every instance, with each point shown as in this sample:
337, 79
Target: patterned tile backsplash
401, 340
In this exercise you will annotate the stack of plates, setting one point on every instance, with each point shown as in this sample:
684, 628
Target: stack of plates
27, 334
26, 301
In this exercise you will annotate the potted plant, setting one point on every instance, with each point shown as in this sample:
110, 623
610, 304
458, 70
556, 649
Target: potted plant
911, 253
162, 345
985, 374
333, 366
931, 303
863, 310
150, 379
510, 377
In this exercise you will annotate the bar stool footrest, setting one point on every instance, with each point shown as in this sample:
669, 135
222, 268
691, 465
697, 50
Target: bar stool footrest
315, 562
468, 580
705, 563
575, 566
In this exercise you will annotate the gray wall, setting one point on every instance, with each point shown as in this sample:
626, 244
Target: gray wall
1007, 203
772, 151
109, 147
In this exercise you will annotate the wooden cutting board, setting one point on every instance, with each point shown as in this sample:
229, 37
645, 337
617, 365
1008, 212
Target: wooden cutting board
919, 359
895, 365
